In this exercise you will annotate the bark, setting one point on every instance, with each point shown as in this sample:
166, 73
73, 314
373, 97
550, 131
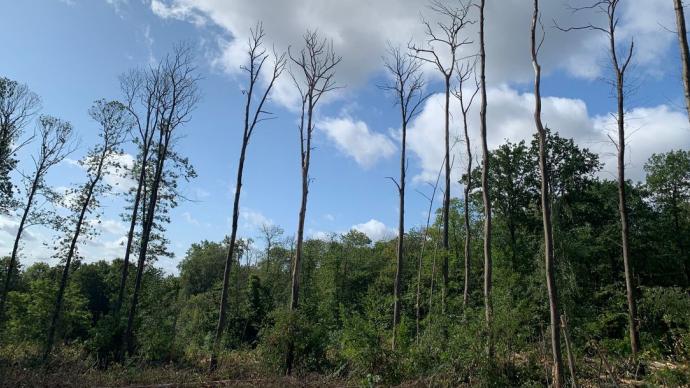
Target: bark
620, 70
401, 232
70, 255
546, 210
466, 206
488, 308
17, 239
146, 236
446, 200
568, 350
228, 257
130, 234
684, 52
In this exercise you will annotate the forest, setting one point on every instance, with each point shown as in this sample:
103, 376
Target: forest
543, 272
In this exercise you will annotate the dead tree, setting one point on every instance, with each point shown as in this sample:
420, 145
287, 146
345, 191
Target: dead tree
549, 265
254, 112
313, 77
406, 86
465, 104
684, 52
448, 35
18, 105
56, 143
488, 265
620, 63
178, 98
115, 124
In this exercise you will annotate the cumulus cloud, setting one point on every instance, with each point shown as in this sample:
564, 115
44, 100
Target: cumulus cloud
252, 219
510, 116
355, 139
648, 131
375, 230
360, 29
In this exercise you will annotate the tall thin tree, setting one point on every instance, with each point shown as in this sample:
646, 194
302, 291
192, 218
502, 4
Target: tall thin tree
142, 89
536, 44
464, 73
178, 99
313, 77
115, 123
56, 143
406, 85
684, 51
448, 35
486, 198
254, 112
620, 63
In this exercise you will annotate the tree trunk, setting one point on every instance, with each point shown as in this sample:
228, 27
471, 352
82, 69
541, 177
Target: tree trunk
68, 260
546, 212
625, 232
466, 205
446, 202
130, 234
295, 272
228, 257
143, 245
568, 350
684, 52
488, 309
15, 247
401, 234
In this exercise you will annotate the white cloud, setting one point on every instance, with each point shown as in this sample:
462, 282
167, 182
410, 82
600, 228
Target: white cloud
375, 230
510, 116
360, 29
648, 131
252, 219
355, 139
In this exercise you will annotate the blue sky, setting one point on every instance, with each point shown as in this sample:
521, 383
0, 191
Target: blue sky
71, 52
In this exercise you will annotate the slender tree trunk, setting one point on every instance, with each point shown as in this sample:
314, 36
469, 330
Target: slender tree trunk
625, 232
401, 233
228, 257
15, 247
130, 233
446, 201
684, 52
296, 265
488, 308
546, 211
144, 243
568, 350
68, 260
466, 205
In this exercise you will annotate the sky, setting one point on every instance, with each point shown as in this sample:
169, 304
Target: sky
71, 53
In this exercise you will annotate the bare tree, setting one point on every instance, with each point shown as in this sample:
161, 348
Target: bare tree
18, 105
178, 98
447, 35
254, 112
620, 62
488, 265
115, 124
552, 289
270, 233
56, 143
143, 92
465, 104
406, 86
313, 77
684, 51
